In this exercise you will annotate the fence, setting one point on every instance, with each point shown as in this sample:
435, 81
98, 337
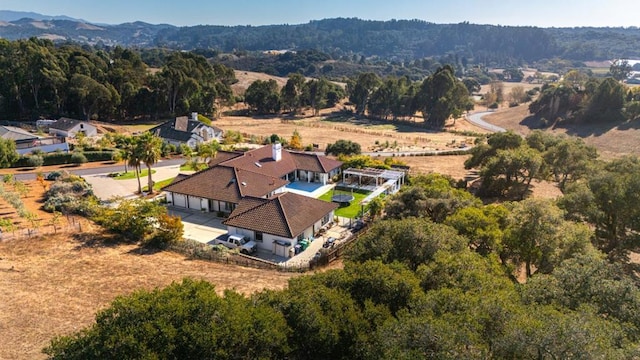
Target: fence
26, 233
339, 249
196, 250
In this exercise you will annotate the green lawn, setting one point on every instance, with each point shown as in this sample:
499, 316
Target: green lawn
353, 210
132, 174
158, 185
140, 127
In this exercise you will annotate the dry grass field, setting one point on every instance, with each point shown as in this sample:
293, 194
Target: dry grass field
246, 78
54, 284
611, 142
322, 131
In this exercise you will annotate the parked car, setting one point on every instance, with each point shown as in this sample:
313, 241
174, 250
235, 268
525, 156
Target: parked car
245, 245
357, 226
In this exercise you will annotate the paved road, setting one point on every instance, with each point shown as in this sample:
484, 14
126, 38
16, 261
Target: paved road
103, 169
476, 119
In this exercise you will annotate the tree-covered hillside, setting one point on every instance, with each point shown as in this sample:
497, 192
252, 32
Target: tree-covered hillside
394, 39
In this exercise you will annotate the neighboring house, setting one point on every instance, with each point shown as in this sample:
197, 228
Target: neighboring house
20, 136
185, 130
27, 142
69, 128
237, 181
281, 221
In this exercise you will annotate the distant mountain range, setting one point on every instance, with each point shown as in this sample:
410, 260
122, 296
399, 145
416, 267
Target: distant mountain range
9, 15
391, 40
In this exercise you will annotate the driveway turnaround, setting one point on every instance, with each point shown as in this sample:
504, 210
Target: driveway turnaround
106, 188
199, 226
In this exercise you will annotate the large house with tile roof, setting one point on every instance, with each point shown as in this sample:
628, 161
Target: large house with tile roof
249, 188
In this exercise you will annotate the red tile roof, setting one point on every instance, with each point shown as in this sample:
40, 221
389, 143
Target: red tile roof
226, 184
313, 162
290, 162
234, 175
223, 156
286, 214
266, 165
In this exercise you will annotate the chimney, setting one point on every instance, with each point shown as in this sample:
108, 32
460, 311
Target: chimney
276, 151
194, 116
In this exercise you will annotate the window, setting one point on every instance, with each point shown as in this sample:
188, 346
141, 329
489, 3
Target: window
258, 236
326, 219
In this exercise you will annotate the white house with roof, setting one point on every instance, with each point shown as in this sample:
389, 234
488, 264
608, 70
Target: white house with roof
69, 128
187, 130
27, 142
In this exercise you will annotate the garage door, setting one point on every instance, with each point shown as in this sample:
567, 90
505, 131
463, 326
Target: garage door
194, 203
180, 200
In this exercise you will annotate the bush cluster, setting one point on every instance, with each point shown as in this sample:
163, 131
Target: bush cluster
70, 195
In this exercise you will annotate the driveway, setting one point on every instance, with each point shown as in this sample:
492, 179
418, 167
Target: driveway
105, 187
199, 226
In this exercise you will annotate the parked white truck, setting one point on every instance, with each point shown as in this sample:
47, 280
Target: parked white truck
245, 245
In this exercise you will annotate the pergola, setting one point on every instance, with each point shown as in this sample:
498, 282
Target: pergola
371, 179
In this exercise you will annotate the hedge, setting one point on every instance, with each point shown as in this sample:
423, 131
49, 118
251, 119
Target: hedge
60, 158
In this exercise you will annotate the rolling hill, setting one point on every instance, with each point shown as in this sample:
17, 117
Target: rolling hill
398, 40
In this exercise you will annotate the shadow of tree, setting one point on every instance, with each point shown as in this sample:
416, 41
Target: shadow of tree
144, 250
580, 129
95, 240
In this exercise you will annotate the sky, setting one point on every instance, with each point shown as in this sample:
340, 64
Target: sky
543, 13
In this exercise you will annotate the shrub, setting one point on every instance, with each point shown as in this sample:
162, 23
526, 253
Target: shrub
168, 149
54, 175
70, 195
78, 158
35, 161
96, 156
57, 158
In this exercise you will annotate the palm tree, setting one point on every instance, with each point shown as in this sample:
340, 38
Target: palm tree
150, 150
133, 158
126, 146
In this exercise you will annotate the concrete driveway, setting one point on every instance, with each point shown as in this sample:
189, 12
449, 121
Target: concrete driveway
105, 187
199, 226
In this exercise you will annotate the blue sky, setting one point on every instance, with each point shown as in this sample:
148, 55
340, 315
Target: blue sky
545, 13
